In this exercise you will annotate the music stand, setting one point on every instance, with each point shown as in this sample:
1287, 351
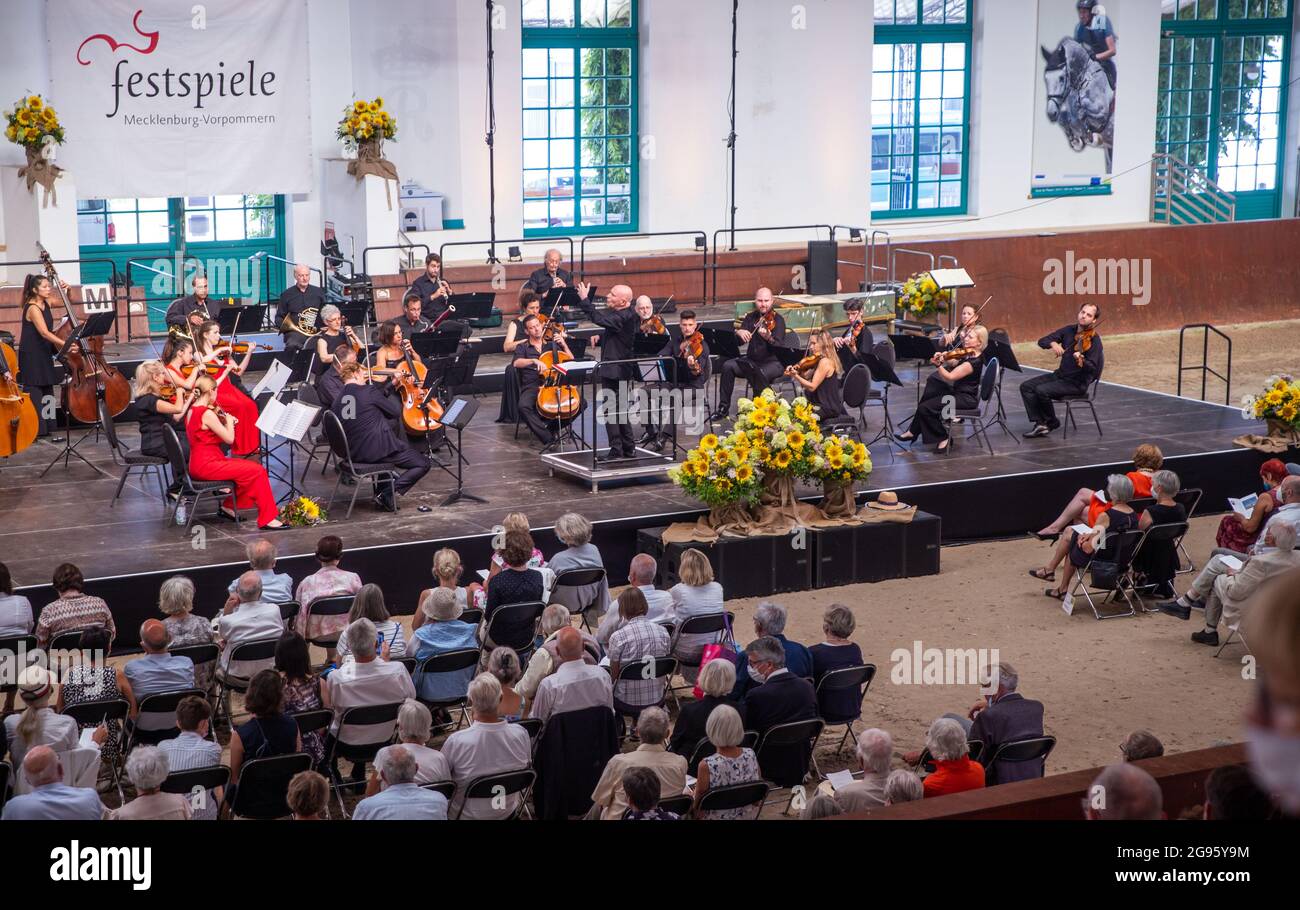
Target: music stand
435, 344
722, 343
565, 298
301, 365
231, 317
94, 326
470, 307
578, 347
914, 347
457, 416
883, 373
1005, 354
354, 314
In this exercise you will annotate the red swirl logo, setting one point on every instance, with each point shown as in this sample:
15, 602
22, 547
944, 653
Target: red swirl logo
114, 44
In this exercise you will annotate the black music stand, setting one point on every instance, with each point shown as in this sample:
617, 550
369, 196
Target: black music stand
723, 346
354, 314
435, 344
95, 326
654, 370
1002, 349
470, 307
566, 298
919, 348
232, 317
457, 416
883, 373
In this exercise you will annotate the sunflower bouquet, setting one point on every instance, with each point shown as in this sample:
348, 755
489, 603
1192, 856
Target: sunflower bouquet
840, 459
783, 433
720, 472
366, 121
1278, 402
32, 123
921, 296
303, 512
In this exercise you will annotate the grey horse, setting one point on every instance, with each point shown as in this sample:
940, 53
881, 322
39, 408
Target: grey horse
1079, 97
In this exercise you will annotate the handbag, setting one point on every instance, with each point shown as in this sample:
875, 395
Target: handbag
725, 650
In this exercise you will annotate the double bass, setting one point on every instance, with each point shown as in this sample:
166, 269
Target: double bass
19, 422
90, 375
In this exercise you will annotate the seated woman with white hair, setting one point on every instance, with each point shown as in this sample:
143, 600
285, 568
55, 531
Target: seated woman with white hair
697, 594
953, 769
1158, 561
176, 603
574, 532
544, 660
146, 768
717, 678
442, 632
903, 786
414, 728
1081, 549
730, 764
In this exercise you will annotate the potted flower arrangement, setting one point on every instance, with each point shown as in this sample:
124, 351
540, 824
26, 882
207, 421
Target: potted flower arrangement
34, 125
723, 474
784, 434
921, 297
839, 462
363, 128
1278, 404
303, 512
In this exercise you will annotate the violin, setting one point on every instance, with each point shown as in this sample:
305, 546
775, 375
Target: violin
653, 326
19, 422
241, 347
768, 321
959, 353
692, 351
808, 363
212, 369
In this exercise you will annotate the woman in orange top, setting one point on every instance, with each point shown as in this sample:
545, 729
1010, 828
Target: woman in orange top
953, 769
1085, 506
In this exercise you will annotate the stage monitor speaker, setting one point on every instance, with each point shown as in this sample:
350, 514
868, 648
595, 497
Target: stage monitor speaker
822, 266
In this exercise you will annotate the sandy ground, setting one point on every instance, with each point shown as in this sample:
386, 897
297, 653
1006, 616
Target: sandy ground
1149, 360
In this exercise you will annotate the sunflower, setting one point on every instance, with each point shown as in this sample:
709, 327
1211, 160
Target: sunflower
720, 457
723, 485
1289, 412
379, 101
835, 461
24, 117
372, 107
782, 459
359, 106
709, 442
744, 473
1274, 397
795, 439
35, 102
11, 133
31, 134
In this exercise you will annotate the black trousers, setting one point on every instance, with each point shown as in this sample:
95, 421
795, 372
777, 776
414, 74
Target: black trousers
1038, 393
691, 393
509, 395
540, 426
928, 424
617, 425
413, 464
294, 341
760, 373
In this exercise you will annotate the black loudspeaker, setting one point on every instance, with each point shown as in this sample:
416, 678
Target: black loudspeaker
921, 551
835, 550
822, 266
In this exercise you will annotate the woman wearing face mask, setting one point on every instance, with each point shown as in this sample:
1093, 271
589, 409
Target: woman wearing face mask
1273, 722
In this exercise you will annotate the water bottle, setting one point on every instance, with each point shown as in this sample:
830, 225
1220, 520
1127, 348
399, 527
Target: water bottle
181, 513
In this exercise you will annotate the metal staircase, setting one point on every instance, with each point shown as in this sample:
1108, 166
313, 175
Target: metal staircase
1181, 194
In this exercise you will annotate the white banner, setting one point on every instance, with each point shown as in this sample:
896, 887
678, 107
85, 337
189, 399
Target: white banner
176, 98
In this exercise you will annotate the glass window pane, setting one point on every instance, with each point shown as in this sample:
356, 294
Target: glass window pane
562, 153
593, 92
593, 122
536, 93
92, 228
932, 11
121, 205
593, 211
535, 124
535, 66
593, 13
620, 122
562, 123
562, 214
905, 11
618, 60
593, 61
931, 85
198, 226
535, 215
230, 202
593, 181
153, 226
534, 15
535, 154
931, 56
954, 83
259, 223
153, 204
620, 13
561, 63
884, 12
619, 180
950, 194
619, 151
618, 91
954, 56
562, 93
927, 196
562, 14
561, 185
618, 210
956, 11
122, 229
534, 185
230, 224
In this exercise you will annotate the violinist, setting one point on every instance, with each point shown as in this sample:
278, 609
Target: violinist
209, 349
190, 312
177, 355
158, 402
761, 330
1079, 347
958, 381
690, 371
819, 375
857, 339
531, 370
951, 340
330, 337
330, 383
209, 428
651, 324
369, 414
37, 348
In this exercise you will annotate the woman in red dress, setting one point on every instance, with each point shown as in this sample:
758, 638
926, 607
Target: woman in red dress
208, 431
230, 398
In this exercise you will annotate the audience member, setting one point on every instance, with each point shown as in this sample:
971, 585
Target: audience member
516, 582
641, 787
1005, 716
1123, 792
1158, 559
1238, 534
270, 732
717, 679
1081, 549
729, 764
38, 724
954, 771
836, 653
442, 633
769, 621
277, 588
1273, 720
447, 570
74, 609
652, 729
301, 689
1141, 744
1231, 795
488, 746
821, 805
191, 749
363, 681
697, 594
414, 728
369, 604
250, 618
781, 698
156, 670
401, 798
308, 796
574, 531
903, 786
575, 684
97, 680
176, 603
543, 661
15, 610
638, 638
875, 752
503, 663
1087, 505
659, 604
515, 521
147, 768
327, 581
50, 798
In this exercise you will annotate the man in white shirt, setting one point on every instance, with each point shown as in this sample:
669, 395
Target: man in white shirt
575, 684
640, 574
50, 798
248, 619
875, 752
365, 680
489, 745
277, 588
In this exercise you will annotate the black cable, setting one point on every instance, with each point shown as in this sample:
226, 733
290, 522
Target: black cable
491, 143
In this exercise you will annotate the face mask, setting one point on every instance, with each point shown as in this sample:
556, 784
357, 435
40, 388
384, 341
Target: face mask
1275, 760
756, 675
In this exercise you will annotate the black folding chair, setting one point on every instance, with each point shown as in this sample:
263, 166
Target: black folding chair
855, 388
359, 472
1170, 534
248, 651
471, 615
984, 414
1113, 577
158, 703
189, 487
263, 787
789, 735
132, 461
576, 579
925, 764
737, 796
499, 786
647, 668
448, 662
708, 624
10, 649
313, 721
360, 753
196, 781
68, 640
515, 626
1024, 750
314, 441
289, 611
329, 606
532, 724
678, 805
446, 787
1086, 399
835, 682
101, 711
1189, 500
199, 655
704, 748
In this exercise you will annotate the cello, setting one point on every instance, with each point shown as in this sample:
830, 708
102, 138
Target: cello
19, 422
90, 376
557, 399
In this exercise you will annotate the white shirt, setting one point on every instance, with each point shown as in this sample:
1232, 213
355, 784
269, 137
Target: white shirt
249, 622
15, 616
480, 750
572, 687
58, 731
375, 682
1287, 514
431, 763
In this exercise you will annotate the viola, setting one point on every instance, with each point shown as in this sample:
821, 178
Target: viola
408, 378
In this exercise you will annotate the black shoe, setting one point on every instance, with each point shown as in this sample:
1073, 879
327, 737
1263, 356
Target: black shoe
1041, 536
1054, 425
1175, 609
718, 415
649, 437
1206, 638
349, 480
655, 445
1038, 432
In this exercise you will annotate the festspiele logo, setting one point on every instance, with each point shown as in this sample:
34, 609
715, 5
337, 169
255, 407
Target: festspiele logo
76, 863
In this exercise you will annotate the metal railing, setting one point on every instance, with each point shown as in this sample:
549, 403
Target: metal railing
701, 246
547, 242
114, 282
1204, 366
713, 296
1181, 194
856, 235
365, 269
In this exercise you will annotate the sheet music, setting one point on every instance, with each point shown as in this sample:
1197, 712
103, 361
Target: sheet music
952, 278
273, 381
290, 421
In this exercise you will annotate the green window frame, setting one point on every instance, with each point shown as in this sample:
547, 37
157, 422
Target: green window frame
580, 125
1222, 99
229, 219
920, 108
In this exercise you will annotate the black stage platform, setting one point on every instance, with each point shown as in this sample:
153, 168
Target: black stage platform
129, 547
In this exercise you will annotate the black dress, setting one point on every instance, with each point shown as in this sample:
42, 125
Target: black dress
1158, 560
36, 364
828, 397
332, 343
928, 423
1117, 523
151, 422
264, 737
510, 388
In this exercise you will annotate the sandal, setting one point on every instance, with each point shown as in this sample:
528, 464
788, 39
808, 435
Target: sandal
1042, 576
1055, 594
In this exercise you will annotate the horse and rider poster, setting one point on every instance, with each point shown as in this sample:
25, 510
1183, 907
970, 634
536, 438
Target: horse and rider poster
1074, 113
